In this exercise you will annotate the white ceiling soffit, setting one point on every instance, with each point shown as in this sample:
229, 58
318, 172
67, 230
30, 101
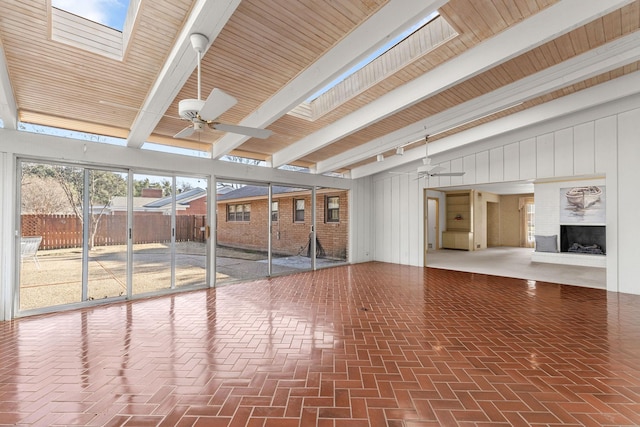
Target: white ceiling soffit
208, 17
8, 107
393, 18
546, 25
591, 97
613, 55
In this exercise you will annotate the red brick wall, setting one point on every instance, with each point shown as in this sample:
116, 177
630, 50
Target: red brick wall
288, 237
196, 207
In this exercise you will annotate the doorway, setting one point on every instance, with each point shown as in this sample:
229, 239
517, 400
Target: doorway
433, 224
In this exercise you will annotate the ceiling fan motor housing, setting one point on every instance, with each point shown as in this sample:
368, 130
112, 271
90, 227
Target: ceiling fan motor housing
189, 108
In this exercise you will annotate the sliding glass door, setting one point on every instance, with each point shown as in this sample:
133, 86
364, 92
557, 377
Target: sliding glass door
106, 234
72, 245
153, 233
242, 247
192, 231
89, 233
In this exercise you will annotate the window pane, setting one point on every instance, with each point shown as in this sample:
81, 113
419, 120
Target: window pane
333, 202
300, 204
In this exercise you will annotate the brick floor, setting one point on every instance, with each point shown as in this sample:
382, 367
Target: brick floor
365, 345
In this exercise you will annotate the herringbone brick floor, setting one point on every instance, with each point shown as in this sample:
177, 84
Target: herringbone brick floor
364, 345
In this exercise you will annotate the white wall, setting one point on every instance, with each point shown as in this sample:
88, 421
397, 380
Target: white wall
398, 212
599, 142
361, 221
629, 203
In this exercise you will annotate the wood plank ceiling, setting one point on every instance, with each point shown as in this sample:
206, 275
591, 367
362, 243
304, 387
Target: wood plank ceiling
267, 44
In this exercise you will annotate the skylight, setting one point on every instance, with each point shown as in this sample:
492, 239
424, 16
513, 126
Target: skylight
111, 13
72, 134
377, 53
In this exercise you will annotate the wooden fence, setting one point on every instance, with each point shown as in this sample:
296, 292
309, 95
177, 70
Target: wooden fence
65, 231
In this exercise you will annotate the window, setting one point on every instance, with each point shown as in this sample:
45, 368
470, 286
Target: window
531, 222
332, 209
239, 212
274, 211
298, 214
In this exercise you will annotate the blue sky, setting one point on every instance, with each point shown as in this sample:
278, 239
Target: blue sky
107, 12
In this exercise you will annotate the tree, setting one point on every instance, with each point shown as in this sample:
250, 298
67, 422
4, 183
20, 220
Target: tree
43, 195
103, 187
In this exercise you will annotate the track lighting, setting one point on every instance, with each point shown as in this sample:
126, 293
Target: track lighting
400, 151
380, 157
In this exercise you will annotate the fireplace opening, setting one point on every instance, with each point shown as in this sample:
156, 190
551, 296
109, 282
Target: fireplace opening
584, 239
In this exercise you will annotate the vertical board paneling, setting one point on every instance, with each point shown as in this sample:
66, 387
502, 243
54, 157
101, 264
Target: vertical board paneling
386, 221
457, 166
563, 149
379, 205
362, 213
445, 180
528, 158
482, 167
469, 167
628, 157
496, 164
512, 162
415, 232
394, 220
544, 156
403, 205
606, 135
584, 149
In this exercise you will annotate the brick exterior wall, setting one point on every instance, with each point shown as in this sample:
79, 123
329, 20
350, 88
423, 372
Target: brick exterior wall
288, 237
196, 207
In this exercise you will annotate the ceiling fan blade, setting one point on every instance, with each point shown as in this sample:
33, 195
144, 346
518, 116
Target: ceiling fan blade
185, 133
243, 130
447, 174
429, 169
217, 103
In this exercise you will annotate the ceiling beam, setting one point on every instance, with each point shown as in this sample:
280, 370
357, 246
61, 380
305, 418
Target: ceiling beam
546, 25
208, 17
588, 98
8, 106
389, 21
611, 56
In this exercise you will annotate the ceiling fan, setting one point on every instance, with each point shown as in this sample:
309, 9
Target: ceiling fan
203, 113
427, 170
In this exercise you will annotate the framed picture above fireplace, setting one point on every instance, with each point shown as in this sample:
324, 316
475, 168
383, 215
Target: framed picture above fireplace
583, 205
